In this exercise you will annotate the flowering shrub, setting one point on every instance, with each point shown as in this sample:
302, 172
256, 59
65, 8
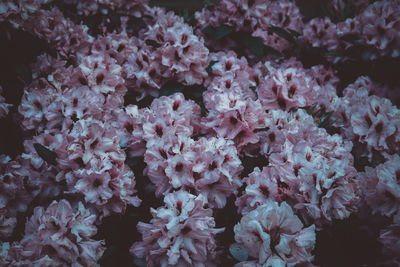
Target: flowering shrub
200, 133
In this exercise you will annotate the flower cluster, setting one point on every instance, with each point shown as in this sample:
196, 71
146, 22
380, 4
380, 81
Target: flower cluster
256, 17
181, 233
376, 26
234, 114
307, 167
381, 187
208, 165
275, 236
369, 119
59, 235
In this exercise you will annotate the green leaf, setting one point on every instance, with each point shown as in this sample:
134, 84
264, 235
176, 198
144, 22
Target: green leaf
255, 45
219, 32
347, 9
198, 93
132, 162
270, 50
282, 33
46, 154
171, 88
351, 38
294, 33
239, 252
209, 68
24, 73
109, 251
176, 4
139, 262
115, 18
335, 53
211, 2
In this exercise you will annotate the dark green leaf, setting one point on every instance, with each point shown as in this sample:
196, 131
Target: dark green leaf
282, 33
46, 154
115, 18
24, 73
219, 32
294, 33
351, 38
209, 68
347, 9
335, 53
175, 4
140, 262
109, 251
204, 111
255, 45
198, 94
239, 252
270, 50
132, 162
171, 88
152, 43
211, 2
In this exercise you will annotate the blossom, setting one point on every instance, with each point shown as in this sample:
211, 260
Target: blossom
195, 165
61, 233
307, 166
380, 186
181, 233
287, 88
381, 27
182, 54
275, 236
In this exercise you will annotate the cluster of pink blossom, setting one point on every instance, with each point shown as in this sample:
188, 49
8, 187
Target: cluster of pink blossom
208, 165
135, 8
274, 236
308, 168
376, 25
166, 49
256, 17
381, 188
182, 233
234, 114
70, 40
79, 132
57, 236
370, 120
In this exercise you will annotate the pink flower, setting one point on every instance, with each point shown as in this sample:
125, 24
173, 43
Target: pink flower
61, 234
380, 186
285, 89
380, 27
180, 233
182, 54
275, 236
374, 124
306, 165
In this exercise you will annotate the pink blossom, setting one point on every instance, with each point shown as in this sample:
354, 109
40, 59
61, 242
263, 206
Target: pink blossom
61, 233
380, 187
180, 233
275, 236
285, 89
